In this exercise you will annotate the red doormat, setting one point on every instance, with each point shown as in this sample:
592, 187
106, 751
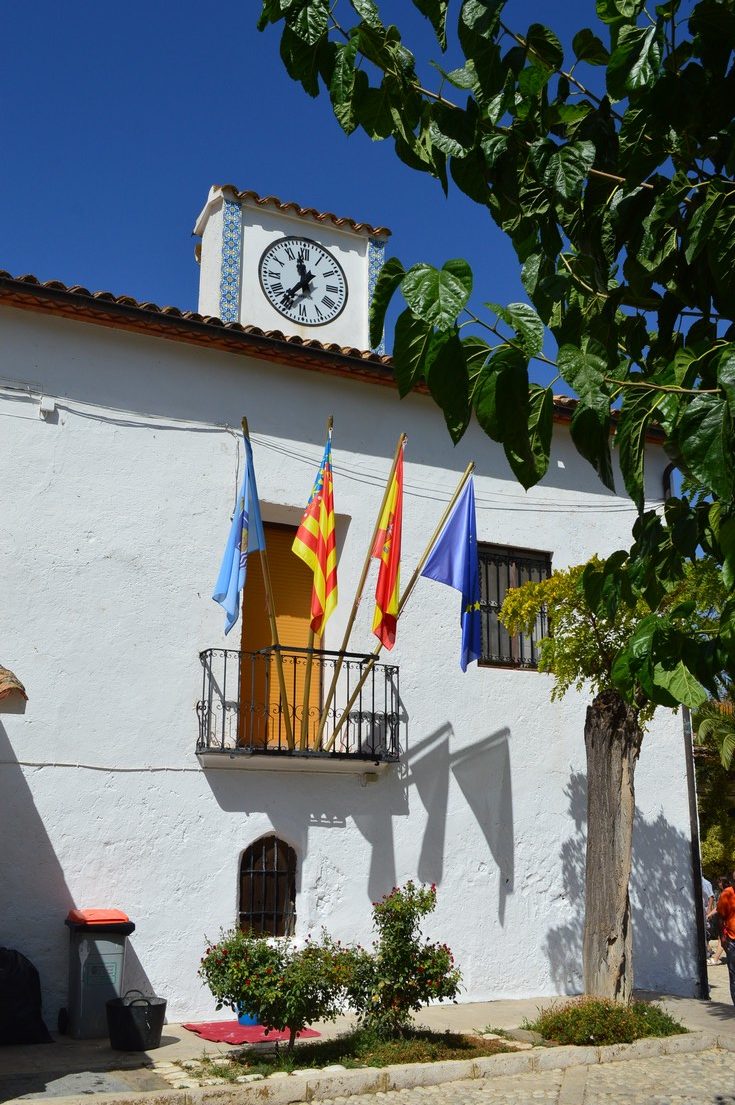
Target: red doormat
230, 1032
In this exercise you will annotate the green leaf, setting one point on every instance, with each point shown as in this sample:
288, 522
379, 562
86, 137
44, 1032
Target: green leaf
639, 407
544, 45
583, 371
621, 675
476, 353
271, 12
526, 323
301, 61
540, 429
438, 295
342, 85
446, 376
465, 77
493, 147
618, 11
451, 130
411, 342
727, 545
726, 376
590, 431
478, 21
368, 11
470, 175
388, 280
721, 258
702, 221
531, 81
588, 47
501, 396
590, 428
568, 168
635, 61
309, 20
436, 12
727, 628
373, 111
681, 684
704, 442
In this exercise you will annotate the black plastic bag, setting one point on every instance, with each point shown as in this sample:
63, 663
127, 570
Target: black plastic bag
20, 1001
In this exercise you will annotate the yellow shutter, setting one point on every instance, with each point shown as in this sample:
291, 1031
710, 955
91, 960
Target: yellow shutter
260, 721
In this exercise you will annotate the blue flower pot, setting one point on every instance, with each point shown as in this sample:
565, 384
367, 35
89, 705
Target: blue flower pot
245, 1018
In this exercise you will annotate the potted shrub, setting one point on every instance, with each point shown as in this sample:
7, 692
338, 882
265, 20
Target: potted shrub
285, 987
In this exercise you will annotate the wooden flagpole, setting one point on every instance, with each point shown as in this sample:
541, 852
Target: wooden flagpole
358, 594
273, 626
403, 600
304, 742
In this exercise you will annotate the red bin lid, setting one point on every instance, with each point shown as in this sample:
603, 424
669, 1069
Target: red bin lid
97, 916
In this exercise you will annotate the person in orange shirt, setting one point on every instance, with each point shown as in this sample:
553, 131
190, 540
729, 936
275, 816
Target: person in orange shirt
726, 910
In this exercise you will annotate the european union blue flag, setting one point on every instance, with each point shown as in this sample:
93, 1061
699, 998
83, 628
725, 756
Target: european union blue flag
246, 536
453, 561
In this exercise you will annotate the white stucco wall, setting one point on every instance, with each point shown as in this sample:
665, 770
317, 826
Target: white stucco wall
113, 518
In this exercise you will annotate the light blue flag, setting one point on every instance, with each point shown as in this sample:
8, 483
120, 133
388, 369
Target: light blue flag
453, 561
246, 536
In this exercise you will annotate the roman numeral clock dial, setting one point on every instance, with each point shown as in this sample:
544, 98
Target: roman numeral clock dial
303, 281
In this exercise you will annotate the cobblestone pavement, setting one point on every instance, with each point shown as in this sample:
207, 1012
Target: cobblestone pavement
705, 1078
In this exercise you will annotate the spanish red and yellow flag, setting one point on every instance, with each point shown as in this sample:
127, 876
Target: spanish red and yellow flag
315, 543
387, 549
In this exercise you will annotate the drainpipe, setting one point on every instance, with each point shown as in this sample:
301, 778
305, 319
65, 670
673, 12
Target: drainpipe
703, 982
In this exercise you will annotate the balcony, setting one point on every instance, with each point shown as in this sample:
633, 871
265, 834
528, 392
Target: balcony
242, 722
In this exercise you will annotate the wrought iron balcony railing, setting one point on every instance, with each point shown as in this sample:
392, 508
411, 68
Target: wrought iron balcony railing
241, 711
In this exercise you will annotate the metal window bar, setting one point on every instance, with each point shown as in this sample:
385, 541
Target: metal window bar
268, 888
500, 570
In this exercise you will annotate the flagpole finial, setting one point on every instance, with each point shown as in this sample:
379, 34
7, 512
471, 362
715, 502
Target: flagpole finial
330, 423
245, 429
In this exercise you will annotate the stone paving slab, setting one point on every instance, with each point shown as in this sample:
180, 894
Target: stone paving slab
68, 1068
604, 1075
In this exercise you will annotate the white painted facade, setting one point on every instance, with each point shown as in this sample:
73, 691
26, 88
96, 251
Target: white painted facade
114, 511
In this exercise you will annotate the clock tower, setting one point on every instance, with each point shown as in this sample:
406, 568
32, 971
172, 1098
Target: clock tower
279, 266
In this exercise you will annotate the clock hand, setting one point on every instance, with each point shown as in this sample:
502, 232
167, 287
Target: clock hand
291, 292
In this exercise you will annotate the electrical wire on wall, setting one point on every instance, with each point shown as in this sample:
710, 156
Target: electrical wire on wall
362, 474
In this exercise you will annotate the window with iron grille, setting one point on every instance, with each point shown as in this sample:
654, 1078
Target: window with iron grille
500, 570
268, 888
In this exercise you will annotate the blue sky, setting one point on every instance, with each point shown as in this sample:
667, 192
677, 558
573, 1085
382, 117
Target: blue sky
116, 120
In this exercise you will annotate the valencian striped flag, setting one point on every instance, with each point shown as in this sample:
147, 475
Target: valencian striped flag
453, 560
315, 543
246, 536
387, 549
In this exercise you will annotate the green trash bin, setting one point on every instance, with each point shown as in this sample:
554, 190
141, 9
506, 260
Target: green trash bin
97, 944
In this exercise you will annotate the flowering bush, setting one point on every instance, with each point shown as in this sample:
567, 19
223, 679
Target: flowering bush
403, 972
285, 987
288, 988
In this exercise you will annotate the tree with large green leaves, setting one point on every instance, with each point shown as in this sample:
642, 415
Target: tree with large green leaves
611, 171
581, 651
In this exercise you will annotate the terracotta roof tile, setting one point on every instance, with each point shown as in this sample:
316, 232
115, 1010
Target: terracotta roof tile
304, 212
10, 283
171, 322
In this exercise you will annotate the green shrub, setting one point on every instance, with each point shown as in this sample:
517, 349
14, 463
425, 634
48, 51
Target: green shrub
597, 1021
288, 988
403, 972
284, 987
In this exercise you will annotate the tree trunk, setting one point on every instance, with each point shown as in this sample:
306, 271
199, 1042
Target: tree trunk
612, 737
291, 1038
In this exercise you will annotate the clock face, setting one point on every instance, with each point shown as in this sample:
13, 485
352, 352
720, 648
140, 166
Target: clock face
303, 281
